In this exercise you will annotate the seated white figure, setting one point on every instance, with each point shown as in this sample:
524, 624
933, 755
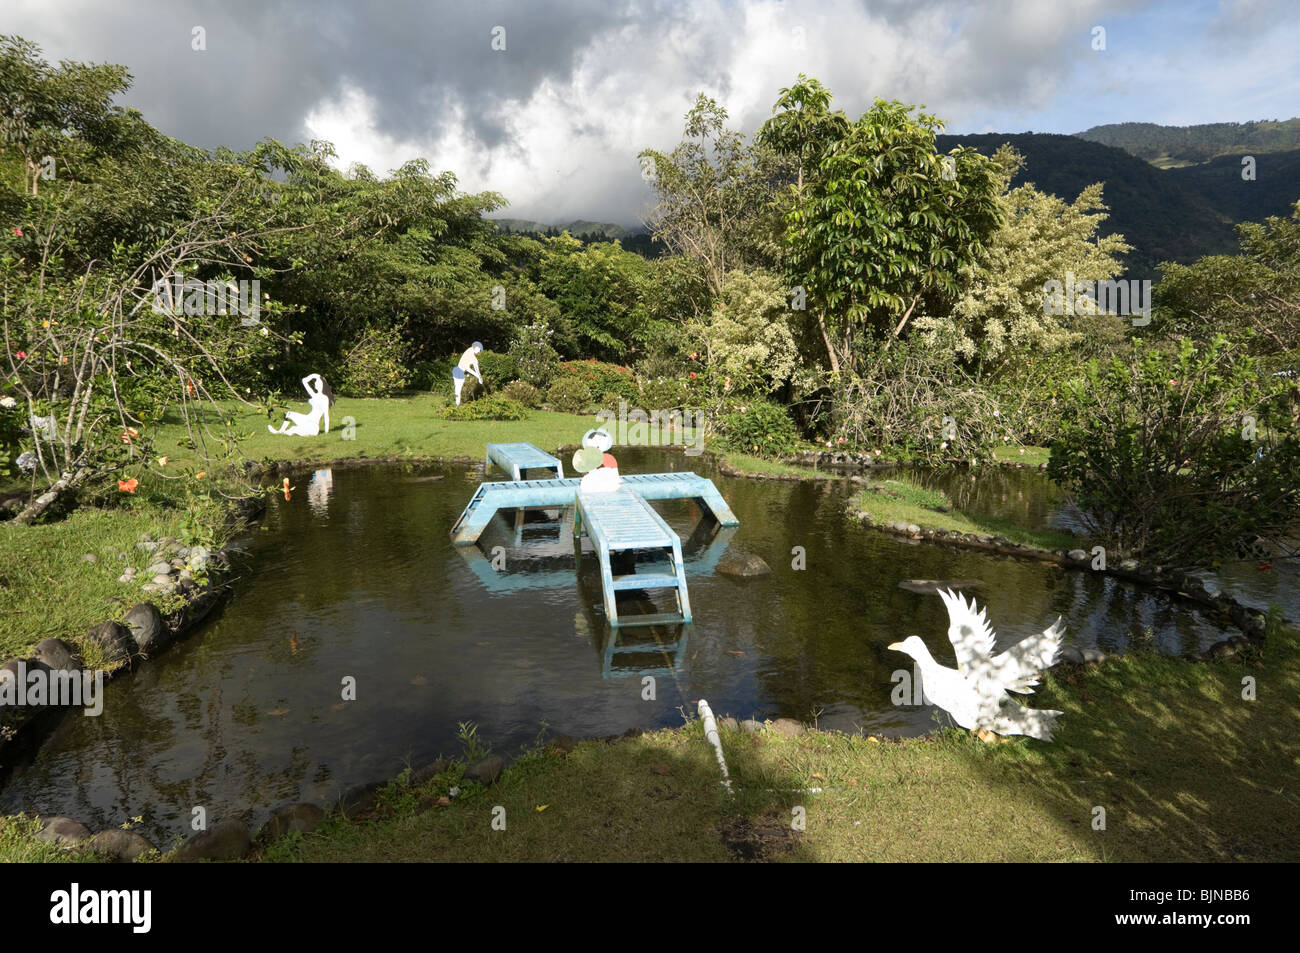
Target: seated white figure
320, 396
604, 477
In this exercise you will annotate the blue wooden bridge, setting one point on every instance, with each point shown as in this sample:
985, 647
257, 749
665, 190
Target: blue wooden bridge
518, 458
620, 525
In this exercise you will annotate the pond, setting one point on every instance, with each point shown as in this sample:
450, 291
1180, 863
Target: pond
356, 577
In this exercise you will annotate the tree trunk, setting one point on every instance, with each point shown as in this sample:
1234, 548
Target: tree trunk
899, 330
32, 512
830, 348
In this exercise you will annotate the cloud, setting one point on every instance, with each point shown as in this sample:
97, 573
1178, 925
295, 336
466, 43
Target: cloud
555, 120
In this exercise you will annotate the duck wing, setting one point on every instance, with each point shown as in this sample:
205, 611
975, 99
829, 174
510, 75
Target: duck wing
971, 635
1018, 667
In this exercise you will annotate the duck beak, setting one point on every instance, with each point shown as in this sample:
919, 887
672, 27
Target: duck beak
896, 646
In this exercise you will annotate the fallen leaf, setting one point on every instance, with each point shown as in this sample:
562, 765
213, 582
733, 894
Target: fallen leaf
542, 807
278, 711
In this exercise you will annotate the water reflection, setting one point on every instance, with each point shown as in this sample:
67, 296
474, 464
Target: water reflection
319, 491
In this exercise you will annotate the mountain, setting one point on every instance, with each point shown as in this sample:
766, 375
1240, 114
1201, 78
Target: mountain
575, 228
1171, 146
1175, 214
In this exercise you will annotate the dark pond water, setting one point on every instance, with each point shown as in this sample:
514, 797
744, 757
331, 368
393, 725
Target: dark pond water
356, 577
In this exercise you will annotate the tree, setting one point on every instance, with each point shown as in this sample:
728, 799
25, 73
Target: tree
999, 314
713, 191
883, 224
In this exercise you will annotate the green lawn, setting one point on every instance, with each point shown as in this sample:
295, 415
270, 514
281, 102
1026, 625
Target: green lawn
899, 501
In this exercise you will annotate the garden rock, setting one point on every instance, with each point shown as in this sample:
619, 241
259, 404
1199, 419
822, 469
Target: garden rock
89, 558
429, 772
303, 818
750, 726
160, 566
359, 800
120, 844
227, 839
146, 625
788, 727
58, 655
486, 771
114, 639
63, 830
743, 565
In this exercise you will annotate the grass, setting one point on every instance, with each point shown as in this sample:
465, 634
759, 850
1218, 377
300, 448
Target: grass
48, 590
1033, 456
898, 501
748, 464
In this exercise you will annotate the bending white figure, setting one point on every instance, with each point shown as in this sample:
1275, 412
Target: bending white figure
975, 693
468, 362
320, 396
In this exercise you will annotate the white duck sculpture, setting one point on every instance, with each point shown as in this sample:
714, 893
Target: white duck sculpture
602, 472
975, 693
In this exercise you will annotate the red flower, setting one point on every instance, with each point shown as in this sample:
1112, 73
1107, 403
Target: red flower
22, 355
128, 486
18, 232
693, 374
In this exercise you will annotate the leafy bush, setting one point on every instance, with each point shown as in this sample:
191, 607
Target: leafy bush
497, 369
664, 393
491, 407
915, 402
602, 378
525, 393
375, 365
1177, 454
536, 360
760, 427
570, 395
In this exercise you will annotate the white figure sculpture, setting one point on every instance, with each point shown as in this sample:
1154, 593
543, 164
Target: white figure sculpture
468, 362
975, 693
594, 459
320, 396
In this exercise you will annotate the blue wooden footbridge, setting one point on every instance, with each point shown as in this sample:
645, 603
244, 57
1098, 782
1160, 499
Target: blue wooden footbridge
619, 524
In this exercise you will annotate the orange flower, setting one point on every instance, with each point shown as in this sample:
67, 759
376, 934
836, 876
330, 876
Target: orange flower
129, 434
201, 474
128, 486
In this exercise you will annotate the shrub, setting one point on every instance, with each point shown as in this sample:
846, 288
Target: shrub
569, 395
492, 407
1176, 455
498, 369
525, 393
603, 378
664, 393
536, 361
761, 428
375, 364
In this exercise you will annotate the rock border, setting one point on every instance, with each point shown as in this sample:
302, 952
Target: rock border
1180, 585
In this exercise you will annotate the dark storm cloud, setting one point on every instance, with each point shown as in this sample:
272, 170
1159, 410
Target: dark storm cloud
268, 64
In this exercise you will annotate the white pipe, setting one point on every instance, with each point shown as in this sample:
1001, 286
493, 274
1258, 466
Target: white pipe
711, 733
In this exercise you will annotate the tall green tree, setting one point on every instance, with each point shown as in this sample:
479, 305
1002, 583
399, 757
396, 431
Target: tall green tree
886, 221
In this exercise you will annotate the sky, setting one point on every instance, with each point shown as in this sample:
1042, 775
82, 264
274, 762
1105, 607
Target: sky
548, 102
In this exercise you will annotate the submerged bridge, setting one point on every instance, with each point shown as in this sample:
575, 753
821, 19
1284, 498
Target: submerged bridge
619, 524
